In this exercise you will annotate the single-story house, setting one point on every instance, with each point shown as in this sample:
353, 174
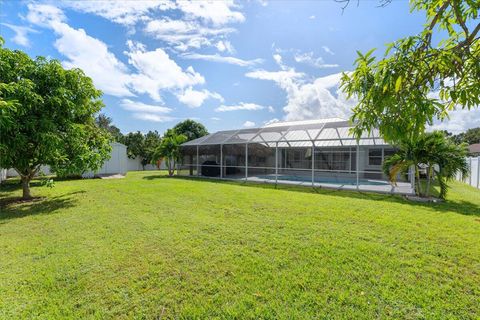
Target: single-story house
319, 153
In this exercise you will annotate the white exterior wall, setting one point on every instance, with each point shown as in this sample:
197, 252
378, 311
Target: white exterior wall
473, 177
117, 164
136, 165
43, 169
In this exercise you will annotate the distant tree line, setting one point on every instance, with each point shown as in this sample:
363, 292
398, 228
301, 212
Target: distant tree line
471, 136
151, 146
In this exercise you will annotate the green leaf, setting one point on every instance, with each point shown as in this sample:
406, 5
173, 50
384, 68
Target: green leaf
398, 84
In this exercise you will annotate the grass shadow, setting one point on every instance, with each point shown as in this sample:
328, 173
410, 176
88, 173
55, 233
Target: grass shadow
163, 176
460, 207
14, 207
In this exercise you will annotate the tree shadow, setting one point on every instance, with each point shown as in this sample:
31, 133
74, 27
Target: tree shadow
458, 206
15, 207
160, 176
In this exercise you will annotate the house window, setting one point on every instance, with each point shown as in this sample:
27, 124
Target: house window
333, 159
388, 153
374, 157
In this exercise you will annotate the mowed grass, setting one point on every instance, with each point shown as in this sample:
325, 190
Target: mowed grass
149, 246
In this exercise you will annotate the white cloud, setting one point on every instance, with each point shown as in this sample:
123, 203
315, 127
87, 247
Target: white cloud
21, 34
312, 17
194, 98
271, 121
320, 98
284, 78
196, 23
225, 45
277, 58
136, 106
216, 12
82, 51
122, 12
130, 12
152, 117
459, 121
240, 106
309, 59
184, 35
249, 124
147, 112
215, 119
263, 3
154, 71
271, 109
44, 15
222, 59
327, 50
158, 72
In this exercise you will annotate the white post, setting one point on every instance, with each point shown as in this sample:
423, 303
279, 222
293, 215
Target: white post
478, 172
198, 171
357, 159
276, 163
412, 176
313, 164
350, 160
383, 155
221, 161
470, 175
246, 161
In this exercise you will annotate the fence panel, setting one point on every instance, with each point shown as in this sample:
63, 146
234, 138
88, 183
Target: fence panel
473, 177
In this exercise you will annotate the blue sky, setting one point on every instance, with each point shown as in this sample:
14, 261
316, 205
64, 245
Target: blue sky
225, 64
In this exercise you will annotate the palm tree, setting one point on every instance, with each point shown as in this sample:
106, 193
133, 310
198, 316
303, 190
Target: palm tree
447, 159
439, 156
169, 149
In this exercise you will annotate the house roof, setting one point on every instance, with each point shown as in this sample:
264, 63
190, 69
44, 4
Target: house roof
322, 132
474, 148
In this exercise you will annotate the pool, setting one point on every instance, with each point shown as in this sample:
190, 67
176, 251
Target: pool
328, 180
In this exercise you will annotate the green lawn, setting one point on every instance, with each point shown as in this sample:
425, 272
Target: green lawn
150, 246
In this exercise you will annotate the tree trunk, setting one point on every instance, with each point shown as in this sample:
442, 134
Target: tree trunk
419, 184
429, 177
170, 167
26, 188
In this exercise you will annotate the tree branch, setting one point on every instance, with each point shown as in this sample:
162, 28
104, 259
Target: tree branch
19, 173
428, 38
459, 17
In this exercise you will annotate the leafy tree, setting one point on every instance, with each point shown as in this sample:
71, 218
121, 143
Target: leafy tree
419, 78
135, 142
471, 136
169, 149
152, 142
191, 129
143, 146
439, 156
105, 123
48, 118
7, 105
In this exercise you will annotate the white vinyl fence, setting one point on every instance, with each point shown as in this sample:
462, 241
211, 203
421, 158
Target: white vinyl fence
3, 174
473, 177
135, 164
116, 164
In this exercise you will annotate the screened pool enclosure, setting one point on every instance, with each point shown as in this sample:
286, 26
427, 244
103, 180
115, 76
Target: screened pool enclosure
319, 153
